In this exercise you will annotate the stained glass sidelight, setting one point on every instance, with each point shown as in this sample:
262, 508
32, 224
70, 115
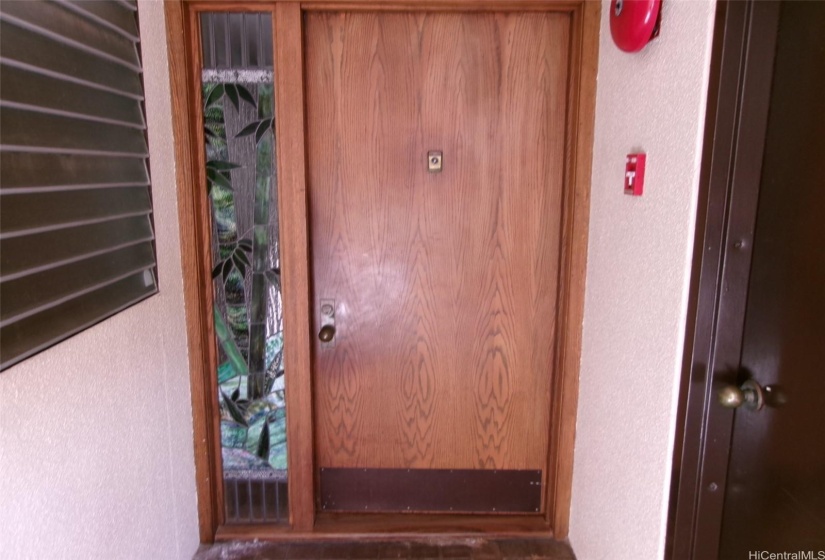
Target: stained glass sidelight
248, 315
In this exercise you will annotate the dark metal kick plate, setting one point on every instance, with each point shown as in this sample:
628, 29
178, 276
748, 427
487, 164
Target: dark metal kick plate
431, 490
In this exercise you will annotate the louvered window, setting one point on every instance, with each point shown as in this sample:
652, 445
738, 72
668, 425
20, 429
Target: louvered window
76, 238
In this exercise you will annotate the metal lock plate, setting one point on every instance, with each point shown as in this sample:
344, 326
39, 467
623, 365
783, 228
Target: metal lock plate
434, 160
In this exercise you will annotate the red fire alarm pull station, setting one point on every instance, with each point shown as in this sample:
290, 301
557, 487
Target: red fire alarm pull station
634, 174
634, 23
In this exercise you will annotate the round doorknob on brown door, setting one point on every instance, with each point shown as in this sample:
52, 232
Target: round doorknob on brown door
750, 395
327, 333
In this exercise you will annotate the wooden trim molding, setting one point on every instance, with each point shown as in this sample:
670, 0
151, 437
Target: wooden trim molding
196, 285
184, 64
584, 53
294, 215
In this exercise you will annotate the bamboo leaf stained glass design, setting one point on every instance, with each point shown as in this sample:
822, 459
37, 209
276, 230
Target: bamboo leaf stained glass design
248, 316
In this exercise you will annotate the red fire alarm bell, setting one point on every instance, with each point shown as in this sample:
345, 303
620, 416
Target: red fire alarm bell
634, 174
634, 23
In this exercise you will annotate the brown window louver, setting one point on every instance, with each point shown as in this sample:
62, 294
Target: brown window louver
76, 235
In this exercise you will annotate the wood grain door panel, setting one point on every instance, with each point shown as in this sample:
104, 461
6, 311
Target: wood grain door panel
445, 284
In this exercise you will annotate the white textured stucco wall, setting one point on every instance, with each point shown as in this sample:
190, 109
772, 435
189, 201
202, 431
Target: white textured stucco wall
96, 456
638, 269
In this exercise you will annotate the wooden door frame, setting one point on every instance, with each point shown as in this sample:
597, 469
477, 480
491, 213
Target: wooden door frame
194, 218
743, 51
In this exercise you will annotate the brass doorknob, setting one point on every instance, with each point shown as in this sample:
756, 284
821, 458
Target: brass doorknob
750, 395
327, 333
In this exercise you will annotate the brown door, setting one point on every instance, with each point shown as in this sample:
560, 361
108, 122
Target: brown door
441, 285
757, 482
775, 491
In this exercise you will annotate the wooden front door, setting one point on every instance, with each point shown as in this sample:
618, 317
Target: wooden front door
439, 288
